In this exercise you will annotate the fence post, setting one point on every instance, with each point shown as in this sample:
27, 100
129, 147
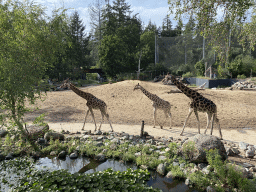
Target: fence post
142, 129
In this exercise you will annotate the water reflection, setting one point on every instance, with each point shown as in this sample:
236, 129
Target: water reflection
86, 165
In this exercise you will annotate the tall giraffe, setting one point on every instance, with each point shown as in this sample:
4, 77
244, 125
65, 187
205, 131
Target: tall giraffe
157, 103
198, 104
92, 103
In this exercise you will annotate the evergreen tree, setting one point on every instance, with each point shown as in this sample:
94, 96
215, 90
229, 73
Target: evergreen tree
78, 49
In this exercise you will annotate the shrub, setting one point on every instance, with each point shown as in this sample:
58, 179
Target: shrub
200, 67
241, 76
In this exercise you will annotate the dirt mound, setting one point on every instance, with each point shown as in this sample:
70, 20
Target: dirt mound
236, 109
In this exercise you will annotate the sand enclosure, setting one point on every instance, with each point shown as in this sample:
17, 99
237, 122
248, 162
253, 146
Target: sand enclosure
236, 109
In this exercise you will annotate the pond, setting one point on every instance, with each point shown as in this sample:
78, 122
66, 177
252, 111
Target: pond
87, 165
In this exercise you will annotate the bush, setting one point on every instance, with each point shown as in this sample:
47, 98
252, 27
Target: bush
188, 74
200, 68
241, 76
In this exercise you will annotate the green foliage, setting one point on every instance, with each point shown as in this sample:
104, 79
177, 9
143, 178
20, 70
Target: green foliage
40, 120
188, 74
173, 150
200, 68
108, 180
241, 76
233, 14
8, 140
189, 149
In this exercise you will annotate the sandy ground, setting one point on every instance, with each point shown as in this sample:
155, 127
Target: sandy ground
127, 108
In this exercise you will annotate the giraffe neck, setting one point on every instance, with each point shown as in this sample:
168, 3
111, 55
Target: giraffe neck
187, 91
79, 92
148, 94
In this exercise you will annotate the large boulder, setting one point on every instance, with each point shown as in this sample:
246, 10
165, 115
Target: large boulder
37, 131
194, 148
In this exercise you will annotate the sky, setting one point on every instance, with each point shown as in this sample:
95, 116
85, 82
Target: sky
154, 10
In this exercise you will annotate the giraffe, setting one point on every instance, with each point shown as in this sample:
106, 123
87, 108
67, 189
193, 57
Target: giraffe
198, 104
157, 103
92, 103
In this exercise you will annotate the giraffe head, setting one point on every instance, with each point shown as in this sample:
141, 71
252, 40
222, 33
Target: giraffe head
166, 78
65, 84
137, 87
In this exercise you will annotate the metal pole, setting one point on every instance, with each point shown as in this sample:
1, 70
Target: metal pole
155, 49
203, 46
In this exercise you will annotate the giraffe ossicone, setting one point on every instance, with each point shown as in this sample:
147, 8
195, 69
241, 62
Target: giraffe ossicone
198, 104
157, 103
92, 103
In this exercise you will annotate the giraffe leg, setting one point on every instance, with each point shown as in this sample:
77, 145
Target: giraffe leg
102, 118
189, 113
93, 118
209, 117
107, 116
168, 113
198, 122
154, 116
218, 123
85, 118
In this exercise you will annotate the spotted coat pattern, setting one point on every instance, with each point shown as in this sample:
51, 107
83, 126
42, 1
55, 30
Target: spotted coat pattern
157, 103
92, 103
198, 104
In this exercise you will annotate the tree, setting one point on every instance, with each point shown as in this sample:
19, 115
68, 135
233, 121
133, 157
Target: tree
233, 13
112, 52
167, 28
27, 43
127, 32
96, 18
78, 48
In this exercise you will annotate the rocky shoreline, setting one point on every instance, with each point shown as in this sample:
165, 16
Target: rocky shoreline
159, 145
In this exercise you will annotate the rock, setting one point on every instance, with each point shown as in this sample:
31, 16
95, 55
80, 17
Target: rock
99, 138
243, 145
53, 135
2, 157
36, 154
169, 175
250, 153
115, 140
99, 144
202, 142
86, 137
187, 182
62, 154
161, 169
3, 133
100, 157
87, 132
161, 157
144, 167
73, 155
252, 169
202, 165
137, 154
37, 131
210, 189
205, 170
41, 141
175, 164
131, 137
229, 151
53, 153
98, 132
9, 156
235, 150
